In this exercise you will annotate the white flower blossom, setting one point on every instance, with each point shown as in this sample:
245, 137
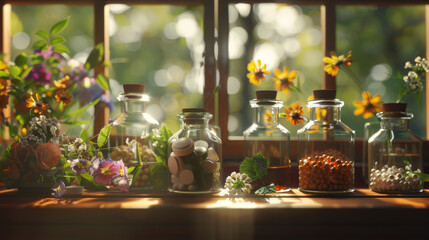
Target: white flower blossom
408, 65
238, 184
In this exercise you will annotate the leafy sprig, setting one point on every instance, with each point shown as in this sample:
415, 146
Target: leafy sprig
255, 167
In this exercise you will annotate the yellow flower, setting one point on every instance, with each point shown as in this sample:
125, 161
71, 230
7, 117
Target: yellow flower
268, 117
35, 103
256, 73
3, 65
4, 87
368, 106
62, 83
294, 114
63, 96
284, 79
333, 63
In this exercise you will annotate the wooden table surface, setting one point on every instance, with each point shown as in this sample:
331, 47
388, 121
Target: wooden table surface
293, 215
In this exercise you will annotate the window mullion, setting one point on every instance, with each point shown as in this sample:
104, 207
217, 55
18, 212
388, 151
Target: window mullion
101, 35
328, 23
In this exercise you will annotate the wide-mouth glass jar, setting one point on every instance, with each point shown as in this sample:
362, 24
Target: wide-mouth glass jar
195, 160
131, 133
326, 147
395, 153
267, 136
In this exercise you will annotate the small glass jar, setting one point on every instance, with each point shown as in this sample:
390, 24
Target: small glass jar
195, 154
394, 153
267, 136
134, 128
326, 147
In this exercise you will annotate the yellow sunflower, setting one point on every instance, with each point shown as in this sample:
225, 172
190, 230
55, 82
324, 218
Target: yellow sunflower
4, 87
256, 72
284, 79
63, 96
294, 114
333, 63
368, 106
34, 102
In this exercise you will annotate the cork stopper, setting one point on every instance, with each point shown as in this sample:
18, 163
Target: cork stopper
394, 107
189, 110
325, 94
134, 88
266, 94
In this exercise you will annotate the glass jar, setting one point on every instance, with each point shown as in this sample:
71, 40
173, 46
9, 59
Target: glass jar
195, 154
267, 136
394, 153
326, 147
134, 128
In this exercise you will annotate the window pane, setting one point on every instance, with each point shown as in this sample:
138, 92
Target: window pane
381, 39
280, 36
161, 46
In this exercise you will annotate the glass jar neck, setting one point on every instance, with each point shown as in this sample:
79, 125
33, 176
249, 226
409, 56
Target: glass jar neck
325, 114
133, 106
398, 121
193, 120
266, 115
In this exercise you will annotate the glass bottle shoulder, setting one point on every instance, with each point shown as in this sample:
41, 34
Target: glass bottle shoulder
316, 126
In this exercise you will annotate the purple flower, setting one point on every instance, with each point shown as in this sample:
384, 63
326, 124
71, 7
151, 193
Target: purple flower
88, 90
80, 166
38, 74
107, 170
48, 53
58, 189
121, 181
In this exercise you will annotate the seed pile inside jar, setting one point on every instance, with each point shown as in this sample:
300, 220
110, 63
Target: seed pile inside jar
325, 173
194, 166
126, 154
394, 179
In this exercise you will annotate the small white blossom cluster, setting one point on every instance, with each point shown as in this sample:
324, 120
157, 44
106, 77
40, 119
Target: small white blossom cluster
238, 184
414, 77
42, 130
77, 146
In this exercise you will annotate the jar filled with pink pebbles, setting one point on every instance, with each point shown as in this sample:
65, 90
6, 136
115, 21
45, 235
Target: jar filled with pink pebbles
195, 160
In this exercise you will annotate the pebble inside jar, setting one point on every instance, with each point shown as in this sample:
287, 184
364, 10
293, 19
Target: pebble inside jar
394, 153
195, 158
326, 147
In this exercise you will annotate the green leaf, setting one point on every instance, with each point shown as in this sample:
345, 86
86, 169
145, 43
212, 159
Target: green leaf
136, 174
57, 40
61, 49
139, 155
95, 57
4, 75
61, 106
43, 34
422, 176
21, 60
89, 183
26, 72
159, 176
84, 135
255, 167
37, 59
130, 170
160, 143
75, 123
59, 26
13, 131
103, 81
82, 109
15, 71
103, 136
268, 189
41, 44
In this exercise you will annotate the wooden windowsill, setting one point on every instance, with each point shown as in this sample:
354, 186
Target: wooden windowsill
113, 215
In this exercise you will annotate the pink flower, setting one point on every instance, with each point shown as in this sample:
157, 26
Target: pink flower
107, 169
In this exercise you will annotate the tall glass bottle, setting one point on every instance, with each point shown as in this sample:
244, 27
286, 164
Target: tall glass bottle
267, 136
195, 161
326, 147
133, 129
395, 153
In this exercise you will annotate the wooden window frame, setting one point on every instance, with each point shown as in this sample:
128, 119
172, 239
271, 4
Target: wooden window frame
215, 16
